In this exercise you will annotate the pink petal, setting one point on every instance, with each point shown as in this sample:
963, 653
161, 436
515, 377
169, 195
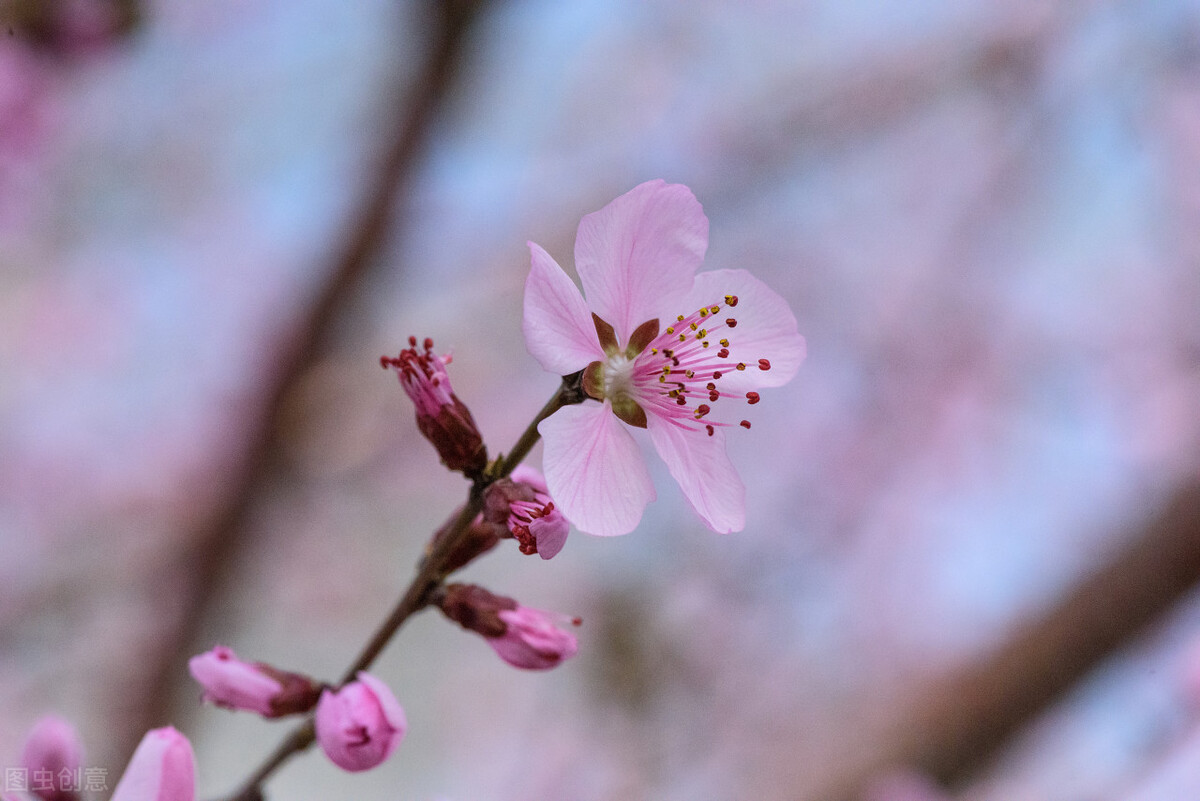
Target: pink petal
162, 768
594, 469
637, 256
705, 474
559, 331
766, 328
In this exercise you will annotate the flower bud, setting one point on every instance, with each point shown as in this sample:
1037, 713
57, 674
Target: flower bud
441, 416
231, 683
359, 725
52, 760
523, 637
163, 768
522, 503
531, 639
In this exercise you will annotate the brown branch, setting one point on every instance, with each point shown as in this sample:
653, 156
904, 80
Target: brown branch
964, 720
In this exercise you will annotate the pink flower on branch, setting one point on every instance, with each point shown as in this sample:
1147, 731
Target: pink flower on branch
523, 505
662, 348
360, 725
234, 684
441, 416
525, 638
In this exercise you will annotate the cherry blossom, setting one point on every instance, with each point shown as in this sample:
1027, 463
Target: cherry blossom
661, 348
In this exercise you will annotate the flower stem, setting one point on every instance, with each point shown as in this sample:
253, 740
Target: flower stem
430, 574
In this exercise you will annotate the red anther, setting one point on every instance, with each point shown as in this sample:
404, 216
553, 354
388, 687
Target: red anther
576, 621
709, 429
703, 409
723, 353
745, 424
682, 401
412, 342
428, 343
712, 396
383, 362
752, 398
732, 323
763, 364
717, 374
733, 300
710, 386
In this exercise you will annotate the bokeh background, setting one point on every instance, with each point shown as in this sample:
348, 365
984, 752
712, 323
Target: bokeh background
974, 517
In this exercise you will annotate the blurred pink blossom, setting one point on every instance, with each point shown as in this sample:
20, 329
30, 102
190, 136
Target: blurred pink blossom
163, 768
532, 641
360, 725
53, 746
655, 341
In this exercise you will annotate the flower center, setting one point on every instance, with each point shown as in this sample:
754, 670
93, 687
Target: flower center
674, 373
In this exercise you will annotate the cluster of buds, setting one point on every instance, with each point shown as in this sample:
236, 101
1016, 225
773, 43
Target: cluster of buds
441, 416
163, 767
358, 725
524, 638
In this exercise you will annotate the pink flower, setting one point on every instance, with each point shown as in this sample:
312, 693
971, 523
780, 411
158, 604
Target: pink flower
360, 725
52, 758
234, 684
163, 768
532, 641
661, 347
536, 524
441, 416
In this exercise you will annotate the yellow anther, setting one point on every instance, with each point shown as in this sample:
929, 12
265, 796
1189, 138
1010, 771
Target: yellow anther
679, 318
704, 344
702, 333
704, 312
724, 343
694, 326
670, 330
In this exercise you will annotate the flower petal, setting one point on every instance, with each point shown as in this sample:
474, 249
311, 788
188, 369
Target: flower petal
705, 474
637, 256
594, 469
558, 327
766, 328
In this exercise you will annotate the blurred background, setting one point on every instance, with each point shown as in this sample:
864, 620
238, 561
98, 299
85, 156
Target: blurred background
973, 536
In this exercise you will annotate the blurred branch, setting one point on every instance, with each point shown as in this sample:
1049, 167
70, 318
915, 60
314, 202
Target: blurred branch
962, 721
60, 28
416, 99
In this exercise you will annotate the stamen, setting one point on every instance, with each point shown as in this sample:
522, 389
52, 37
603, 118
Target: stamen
745, 424
716, 374
723, 353
709, 429
752, 398
741, 365
763, 364
732, 323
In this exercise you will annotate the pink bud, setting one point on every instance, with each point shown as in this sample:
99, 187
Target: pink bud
521, 503
360, 725
234, 684
532, 641
441, 416
52, 759
163, 768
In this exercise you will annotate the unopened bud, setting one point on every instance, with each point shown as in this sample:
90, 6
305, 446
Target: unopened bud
359, 725
253, 686
525, 638
163, 768
441, 416
53, 753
